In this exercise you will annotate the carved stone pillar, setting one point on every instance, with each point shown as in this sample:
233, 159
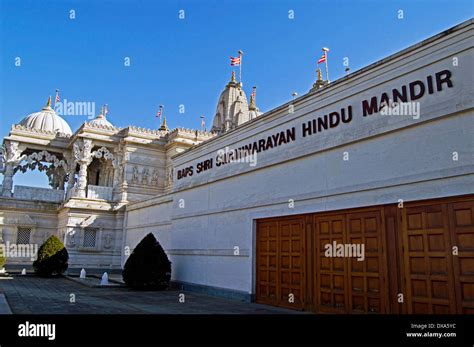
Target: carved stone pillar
83, 157
11, 157
7, 185
70, 181
82, 180
119, 193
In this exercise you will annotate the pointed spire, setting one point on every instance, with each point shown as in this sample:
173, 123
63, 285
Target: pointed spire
47, 107
253, 105
160, 114
319, 82
163, 126
232, 82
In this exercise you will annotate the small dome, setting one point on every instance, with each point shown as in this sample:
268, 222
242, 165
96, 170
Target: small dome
254, 113
100, 121
46, 120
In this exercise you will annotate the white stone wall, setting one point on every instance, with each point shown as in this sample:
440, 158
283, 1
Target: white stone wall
109, 237
142, 220
38, 194
40, 217
390, 158
145, 173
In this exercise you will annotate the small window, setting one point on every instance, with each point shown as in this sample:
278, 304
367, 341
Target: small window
90, 237
23, 235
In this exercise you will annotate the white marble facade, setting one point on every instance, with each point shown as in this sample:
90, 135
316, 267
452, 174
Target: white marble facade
93, 173
129, 182
370, 160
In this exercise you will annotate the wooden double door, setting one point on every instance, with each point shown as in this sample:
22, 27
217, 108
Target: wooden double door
418, 258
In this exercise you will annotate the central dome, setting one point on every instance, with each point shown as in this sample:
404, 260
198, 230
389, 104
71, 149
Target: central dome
46, 120
232, 107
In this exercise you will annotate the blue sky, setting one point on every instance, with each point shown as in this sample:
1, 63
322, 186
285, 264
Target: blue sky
186, 61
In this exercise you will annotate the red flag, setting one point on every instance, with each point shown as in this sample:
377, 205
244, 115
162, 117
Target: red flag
158, 114
235, 61
322, 59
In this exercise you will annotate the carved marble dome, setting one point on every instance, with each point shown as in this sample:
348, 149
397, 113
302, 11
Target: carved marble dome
232, 108
46, 120
100, 121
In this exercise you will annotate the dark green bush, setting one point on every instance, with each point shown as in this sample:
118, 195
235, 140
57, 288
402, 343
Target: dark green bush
148, 267
52, 258
2, 258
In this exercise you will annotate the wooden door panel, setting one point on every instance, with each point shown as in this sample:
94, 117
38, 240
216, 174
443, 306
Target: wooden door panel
346, 284
462, 234
422, 265
292, 255
330, 282
428, 263
367, 278
281, 263
267, 256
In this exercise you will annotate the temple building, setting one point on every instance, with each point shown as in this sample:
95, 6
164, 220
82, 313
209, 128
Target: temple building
356, 197
93, 174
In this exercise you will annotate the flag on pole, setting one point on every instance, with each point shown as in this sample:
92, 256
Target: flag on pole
203, 123
57, 96
322, 59
158, 114
235, 61
254, 91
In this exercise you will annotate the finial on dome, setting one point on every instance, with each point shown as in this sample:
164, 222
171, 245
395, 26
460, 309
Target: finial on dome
253, 105
104, 111
48, 104
233, 76
163, 126
319, 82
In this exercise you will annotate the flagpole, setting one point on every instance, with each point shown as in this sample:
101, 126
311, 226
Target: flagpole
240, 67
56, 98
326, 61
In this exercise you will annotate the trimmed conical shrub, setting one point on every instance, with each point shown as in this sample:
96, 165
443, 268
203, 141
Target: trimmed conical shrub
148, 267
52, 258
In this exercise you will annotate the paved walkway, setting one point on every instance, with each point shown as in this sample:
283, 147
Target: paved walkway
35, 295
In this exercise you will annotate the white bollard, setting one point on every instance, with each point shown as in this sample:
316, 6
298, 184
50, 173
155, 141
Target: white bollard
83, 274
105, 279
23, 272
